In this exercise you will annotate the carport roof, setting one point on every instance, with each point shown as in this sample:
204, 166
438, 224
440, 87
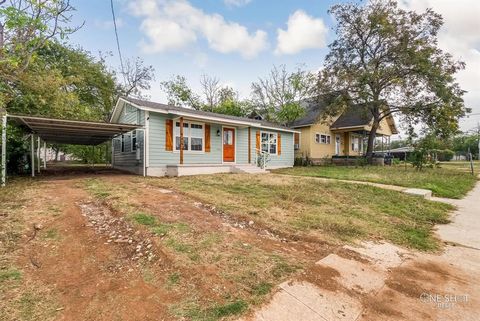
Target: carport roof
76, 132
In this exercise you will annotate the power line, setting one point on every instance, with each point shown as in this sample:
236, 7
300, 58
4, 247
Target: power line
118, 42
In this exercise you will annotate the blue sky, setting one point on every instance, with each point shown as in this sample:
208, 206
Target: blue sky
240, 40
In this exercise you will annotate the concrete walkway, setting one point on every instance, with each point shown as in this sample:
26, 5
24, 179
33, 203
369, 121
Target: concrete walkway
385, 282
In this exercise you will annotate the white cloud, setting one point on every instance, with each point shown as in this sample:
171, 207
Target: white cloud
460, 37
175, 24
236, 3
303, 32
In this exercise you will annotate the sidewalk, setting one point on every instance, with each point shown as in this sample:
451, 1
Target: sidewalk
390, 283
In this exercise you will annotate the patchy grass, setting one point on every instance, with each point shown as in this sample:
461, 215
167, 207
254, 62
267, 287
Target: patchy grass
338, 212
10, 274
443, 182
214, 274
22, 297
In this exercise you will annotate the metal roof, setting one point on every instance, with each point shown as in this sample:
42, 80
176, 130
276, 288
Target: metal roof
75, 132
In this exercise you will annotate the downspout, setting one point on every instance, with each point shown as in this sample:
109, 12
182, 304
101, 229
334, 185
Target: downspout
145, 143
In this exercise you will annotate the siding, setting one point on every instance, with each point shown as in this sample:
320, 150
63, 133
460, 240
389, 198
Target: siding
286, 158
128, 159
160, 157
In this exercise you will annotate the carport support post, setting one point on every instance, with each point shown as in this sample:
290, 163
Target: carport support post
32, 143
4, 150
181, 141
44, 155
38, 154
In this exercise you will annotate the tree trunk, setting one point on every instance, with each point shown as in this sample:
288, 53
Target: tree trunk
56, 155
371, 140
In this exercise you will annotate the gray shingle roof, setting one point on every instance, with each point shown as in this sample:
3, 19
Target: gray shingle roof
315, 107
170, 108
352, 117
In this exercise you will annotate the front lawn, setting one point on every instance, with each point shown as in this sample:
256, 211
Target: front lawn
303, 208
443, 182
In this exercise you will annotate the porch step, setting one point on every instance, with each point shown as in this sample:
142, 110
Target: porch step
249, 169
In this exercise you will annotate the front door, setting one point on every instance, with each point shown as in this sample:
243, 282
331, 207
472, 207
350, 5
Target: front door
337, 144
228, 144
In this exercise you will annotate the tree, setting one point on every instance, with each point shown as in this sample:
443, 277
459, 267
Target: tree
25, 27
386, 61
137, 77
179, 93
215, 98
278, 95
211, 90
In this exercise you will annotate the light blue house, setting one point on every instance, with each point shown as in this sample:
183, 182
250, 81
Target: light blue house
176, 141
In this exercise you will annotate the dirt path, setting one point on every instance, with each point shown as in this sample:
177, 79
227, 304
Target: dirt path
94, 280
88, 253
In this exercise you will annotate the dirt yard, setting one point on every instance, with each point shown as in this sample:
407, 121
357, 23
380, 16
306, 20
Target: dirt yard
108, 246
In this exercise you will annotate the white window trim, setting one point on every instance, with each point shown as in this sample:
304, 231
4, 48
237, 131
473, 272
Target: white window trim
188, 136
320, 138
276, 142
360, 145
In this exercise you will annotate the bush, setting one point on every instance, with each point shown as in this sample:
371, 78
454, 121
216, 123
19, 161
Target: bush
444, 155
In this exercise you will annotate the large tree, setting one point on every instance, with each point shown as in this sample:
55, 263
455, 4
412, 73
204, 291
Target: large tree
387, 61
25, 27
277, 97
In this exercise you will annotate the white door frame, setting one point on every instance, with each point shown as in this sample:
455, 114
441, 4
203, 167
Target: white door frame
337, 144
235, 144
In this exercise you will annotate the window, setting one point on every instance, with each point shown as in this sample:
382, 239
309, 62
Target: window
269, 142
322, 139
355, 144
192, 136
134, 140
123, 144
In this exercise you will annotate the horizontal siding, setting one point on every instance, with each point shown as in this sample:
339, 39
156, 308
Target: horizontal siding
128, 159
159, 156
286, 158
133, 115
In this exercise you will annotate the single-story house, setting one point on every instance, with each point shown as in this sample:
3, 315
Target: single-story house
343, 135
176, 141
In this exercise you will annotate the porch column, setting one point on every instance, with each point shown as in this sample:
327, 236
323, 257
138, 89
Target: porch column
181, 141
32, 156
3, 165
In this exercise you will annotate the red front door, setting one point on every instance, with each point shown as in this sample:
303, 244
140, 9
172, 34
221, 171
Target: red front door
228, 145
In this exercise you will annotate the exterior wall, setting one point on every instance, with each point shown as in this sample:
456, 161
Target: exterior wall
317, 151
384, 128
130, 160
286, 157
159, 157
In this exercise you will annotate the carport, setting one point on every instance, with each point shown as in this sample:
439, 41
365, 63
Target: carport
58, 131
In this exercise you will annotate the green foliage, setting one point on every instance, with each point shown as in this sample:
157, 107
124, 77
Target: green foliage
278, 95
387, 61
179, 93
463, 143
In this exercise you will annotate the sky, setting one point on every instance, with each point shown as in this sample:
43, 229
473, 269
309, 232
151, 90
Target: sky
239, 41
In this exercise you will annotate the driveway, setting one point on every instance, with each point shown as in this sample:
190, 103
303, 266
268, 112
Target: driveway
385, 282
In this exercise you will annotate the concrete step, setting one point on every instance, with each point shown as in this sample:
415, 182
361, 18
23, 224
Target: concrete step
249, 169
